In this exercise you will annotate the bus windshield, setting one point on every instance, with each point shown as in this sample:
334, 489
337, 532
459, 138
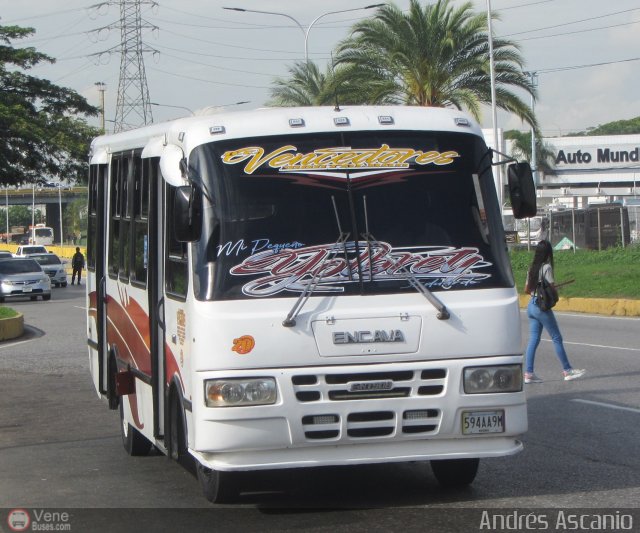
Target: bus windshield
359, 212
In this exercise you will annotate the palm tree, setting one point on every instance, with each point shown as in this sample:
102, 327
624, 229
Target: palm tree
521, 149
307, 86
435, 55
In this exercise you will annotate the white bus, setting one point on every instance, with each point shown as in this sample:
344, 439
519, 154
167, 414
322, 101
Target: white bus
299, 287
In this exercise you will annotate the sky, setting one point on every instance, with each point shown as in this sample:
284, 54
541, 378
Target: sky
586, 53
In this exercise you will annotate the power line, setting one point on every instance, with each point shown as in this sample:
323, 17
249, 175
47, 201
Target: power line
576, 67
573, 22
210, 65
579, 31
525, 5
184, 77
230, 46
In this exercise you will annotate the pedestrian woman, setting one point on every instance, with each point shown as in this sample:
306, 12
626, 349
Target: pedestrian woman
542, 266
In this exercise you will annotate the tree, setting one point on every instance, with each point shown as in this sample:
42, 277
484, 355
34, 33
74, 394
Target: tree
521, 149
435, 55
40, 132
617, 127
19, 215
307, 86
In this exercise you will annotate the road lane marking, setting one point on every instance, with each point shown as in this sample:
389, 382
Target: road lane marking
609, 405
597, 345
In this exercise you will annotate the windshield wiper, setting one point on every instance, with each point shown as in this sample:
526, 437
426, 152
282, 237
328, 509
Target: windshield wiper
443, 313
339, 245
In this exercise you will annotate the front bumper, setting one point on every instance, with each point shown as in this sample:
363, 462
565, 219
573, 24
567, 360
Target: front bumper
317, 421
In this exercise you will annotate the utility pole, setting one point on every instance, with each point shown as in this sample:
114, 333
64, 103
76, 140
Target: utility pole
133, 107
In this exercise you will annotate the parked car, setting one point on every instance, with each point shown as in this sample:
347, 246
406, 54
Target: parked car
21, 277
5, 255
54, 267
30, 249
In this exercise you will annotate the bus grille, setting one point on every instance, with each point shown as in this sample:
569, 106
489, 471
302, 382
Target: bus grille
369, 424
324, 389
369, 385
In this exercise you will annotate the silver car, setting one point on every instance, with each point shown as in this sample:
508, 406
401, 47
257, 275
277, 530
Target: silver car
23, 277
54, 267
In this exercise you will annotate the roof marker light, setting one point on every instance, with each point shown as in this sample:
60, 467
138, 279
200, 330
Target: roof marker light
296, 122
460, 121
217, 130
385, 119
341, 121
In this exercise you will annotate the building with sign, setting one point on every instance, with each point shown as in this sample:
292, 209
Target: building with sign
598, 169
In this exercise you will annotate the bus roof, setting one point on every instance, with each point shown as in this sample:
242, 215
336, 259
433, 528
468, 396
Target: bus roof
210, 125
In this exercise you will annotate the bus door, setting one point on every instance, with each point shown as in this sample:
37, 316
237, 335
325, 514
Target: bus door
155, 275
172, 286
95, 278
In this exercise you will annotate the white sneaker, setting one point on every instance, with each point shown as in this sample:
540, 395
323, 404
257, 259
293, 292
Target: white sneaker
574, 373
531, 378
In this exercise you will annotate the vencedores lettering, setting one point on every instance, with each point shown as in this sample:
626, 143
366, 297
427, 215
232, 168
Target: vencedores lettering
292, 270
286, 158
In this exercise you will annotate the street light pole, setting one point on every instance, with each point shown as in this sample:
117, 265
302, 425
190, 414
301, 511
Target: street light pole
60, 204
494, 112
306, 31
6, 198
33, 215
174, 106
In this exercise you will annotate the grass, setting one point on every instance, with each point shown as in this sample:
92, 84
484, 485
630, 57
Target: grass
7, 312
612, 273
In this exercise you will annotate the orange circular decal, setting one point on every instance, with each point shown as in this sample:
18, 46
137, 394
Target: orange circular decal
243, 344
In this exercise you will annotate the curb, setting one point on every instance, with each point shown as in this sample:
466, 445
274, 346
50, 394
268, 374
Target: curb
594, 306
11, 328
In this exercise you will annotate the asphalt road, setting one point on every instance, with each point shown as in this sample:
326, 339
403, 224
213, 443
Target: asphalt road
60, 449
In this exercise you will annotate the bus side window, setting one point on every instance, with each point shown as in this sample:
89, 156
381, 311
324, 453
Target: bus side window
141, 176
125, 218
176, 259
96, 173
114, 214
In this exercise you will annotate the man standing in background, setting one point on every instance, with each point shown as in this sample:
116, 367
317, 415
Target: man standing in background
77, 263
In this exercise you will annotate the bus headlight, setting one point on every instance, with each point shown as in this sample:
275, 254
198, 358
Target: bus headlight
240, 392
491, 379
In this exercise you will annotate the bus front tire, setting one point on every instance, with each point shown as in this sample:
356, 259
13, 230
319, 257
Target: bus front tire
134, 442
455, 473
217, 486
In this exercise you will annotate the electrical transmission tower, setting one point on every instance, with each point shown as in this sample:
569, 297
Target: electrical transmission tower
133, 107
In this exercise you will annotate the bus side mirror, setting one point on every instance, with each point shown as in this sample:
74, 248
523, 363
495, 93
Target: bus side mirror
522, 190
187, 214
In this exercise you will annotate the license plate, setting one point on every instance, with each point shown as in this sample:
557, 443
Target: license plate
27, 289
474, 422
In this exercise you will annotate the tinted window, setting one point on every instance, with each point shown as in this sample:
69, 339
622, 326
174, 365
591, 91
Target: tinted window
47, 259
281, 212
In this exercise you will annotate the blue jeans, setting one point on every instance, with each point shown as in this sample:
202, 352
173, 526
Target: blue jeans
539, 319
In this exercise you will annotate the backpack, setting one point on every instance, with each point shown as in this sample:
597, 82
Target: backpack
546, 294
